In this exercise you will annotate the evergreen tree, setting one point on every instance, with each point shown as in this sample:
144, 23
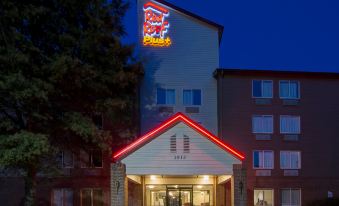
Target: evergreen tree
61, 62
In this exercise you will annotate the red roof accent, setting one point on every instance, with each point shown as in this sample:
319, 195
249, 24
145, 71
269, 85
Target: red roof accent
157, 7
168, 123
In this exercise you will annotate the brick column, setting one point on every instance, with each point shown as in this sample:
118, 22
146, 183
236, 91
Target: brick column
239, 185
119, 185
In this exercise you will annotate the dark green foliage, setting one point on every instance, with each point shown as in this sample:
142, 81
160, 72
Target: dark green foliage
61, 62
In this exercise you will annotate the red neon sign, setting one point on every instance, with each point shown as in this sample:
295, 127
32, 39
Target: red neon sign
174, 119
155, 26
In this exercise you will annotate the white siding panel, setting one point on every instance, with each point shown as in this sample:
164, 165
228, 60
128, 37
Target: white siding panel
187, 64
155, 157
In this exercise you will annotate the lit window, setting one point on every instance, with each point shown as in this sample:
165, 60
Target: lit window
67, 159
289, 124
165, 96
91, 159
263, 197
262, 124
62, 197
290, 197
191, 97
289, 89
262, 88
290, 160
92, 197
263, 159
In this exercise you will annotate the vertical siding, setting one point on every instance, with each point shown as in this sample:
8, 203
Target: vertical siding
204, 157
188, 63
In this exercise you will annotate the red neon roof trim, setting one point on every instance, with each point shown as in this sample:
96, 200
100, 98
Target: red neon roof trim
178, 117
155, 6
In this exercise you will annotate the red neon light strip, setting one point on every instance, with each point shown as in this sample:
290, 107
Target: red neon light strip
176, 117
213, 138
157, 7
143, 138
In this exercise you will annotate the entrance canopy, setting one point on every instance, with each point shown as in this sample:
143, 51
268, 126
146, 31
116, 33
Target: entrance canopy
179, 146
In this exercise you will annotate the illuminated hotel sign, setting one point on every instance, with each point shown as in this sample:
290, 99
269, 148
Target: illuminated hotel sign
155, 26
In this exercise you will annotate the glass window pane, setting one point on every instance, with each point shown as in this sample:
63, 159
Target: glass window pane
295, 197
284, 160
263, 197
170, 96
85, 159
284, 89
187, 97
67, 159
98, 199
267, 89
86, 197
256, 88
97, 158
268, 159
295, 160
68, 201
161, 96
57, 197
294, 89
256, 159
285, 197
196, 97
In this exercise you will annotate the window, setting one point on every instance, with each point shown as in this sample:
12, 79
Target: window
290, 160
289, 124
98, 120
263, 159
262, 88
91, 159
290, 197
165, 96
263, 197
92, 197
191, 97
262, 124
289, 89
67, 159
62, 197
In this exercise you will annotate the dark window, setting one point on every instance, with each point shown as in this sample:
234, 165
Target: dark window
90, 159
192, 97
98, 120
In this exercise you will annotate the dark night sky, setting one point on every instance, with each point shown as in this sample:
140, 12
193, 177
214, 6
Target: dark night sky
300, 35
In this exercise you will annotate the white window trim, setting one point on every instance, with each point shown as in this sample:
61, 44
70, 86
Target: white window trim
165, 88
280, 118
289, 82
91, 189
262, 88
62, 160
263, 116
290, 189
266, 189
191, 105
263, 168
290, 168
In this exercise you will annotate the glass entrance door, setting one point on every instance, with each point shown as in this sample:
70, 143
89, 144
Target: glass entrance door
179, 196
